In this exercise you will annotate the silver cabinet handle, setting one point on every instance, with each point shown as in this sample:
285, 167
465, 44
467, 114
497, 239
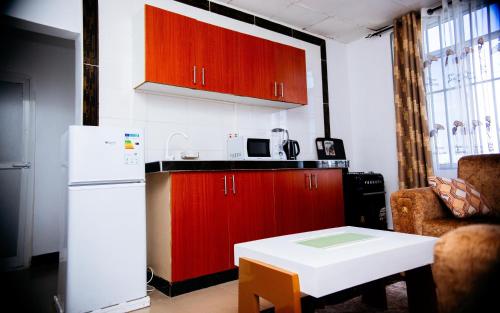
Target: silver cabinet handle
21, 165
225, 185
234, 185
275, 89
373, 193
282, 90
310, 181
194, 74
315, 181
203, 76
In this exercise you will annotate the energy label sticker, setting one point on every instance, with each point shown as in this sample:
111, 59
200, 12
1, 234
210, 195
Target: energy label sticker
131, 140
130, 143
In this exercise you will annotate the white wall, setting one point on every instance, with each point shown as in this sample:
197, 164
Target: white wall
339, 95
50, 63
206, 122
62, 19
58, 18
57, 14
362, 106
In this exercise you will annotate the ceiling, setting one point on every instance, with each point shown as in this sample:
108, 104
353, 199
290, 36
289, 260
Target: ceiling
342, 20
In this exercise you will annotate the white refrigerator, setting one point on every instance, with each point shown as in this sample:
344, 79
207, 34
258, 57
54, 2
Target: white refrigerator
103, 255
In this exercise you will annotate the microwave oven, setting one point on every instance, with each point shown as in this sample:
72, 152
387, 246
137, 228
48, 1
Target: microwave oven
244, 148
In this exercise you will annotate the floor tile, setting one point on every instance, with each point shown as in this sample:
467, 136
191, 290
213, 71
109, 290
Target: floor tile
212, 299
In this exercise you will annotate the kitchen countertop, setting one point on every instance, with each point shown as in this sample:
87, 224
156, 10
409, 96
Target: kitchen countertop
184, 166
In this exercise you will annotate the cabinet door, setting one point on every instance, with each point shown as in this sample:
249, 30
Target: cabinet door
293, 202
254, 70
170, 48
251, 209
290, 65
200, 242
327, 200
215, 58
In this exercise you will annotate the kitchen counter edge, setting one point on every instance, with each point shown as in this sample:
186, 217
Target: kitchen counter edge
187, 166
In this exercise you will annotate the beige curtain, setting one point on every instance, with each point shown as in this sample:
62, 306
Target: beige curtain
414, 154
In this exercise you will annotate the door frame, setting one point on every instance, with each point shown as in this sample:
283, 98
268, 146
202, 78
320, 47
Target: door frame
26, 212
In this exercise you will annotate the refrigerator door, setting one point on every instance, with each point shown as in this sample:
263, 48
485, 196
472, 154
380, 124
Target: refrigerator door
104, 154
106, 253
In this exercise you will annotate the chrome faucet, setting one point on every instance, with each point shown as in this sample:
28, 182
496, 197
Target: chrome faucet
167, 144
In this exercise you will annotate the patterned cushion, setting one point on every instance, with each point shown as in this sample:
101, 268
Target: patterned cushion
459, 196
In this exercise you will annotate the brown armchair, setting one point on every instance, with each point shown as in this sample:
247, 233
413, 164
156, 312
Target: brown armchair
466, 265
420, 211
466, 269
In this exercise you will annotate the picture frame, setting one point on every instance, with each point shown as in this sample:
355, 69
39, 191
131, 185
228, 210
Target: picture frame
330, 149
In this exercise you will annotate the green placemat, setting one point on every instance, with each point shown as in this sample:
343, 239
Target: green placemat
334, 240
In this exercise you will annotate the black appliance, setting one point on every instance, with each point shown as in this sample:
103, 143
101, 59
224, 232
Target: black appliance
330, 149
364, 200
292, 149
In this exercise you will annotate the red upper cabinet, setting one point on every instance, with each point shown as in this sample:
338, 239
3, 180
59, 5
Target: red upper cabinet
215, 53
254, 73
169, 48
290, 65
269, 70
183, 52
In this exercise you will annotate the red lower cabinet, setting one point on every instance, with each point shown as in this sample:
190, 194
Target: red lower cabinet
200, 238
308, 200
293, 202
210, 212
328, 199
251, 207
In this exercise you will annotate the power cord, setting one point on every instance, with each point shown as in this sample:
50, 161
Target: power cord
148, 287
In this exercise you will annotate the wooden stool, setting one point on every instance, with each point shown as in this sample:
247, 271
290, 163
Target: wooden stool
257, 279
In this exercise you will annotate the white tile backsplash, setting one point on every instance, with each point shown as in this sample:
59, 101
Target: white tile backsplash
162, 109
211, 113
207, 122
157, 134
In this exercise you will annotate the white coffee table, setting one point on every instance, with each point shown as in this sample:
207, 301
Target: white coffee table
326, 270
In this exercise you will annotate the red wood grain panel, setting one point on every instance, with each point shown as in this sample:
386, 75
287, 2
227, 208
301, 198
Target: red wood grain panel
290, 64
254, 70
251, 210
293, 202
200, 241
215, 58
170, 47
232, 62
327, 199
298, 81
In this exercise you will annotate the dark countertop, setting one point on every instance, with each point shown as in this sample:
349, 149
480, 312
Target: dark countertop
176, 166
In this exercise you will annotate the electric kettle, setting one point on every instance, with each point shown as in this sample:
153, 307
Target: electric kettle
292, 149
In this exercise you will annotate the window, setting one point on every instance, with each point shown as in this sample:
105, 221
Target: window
461, 49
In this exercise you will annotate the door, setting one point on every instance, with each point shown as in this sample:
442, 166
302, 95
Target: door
254, 71
215, 56
106, 238
293, 202
99, 154
296, 88
200, 243
170, 48
16, 172
290, 66
327, 198
251, 207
